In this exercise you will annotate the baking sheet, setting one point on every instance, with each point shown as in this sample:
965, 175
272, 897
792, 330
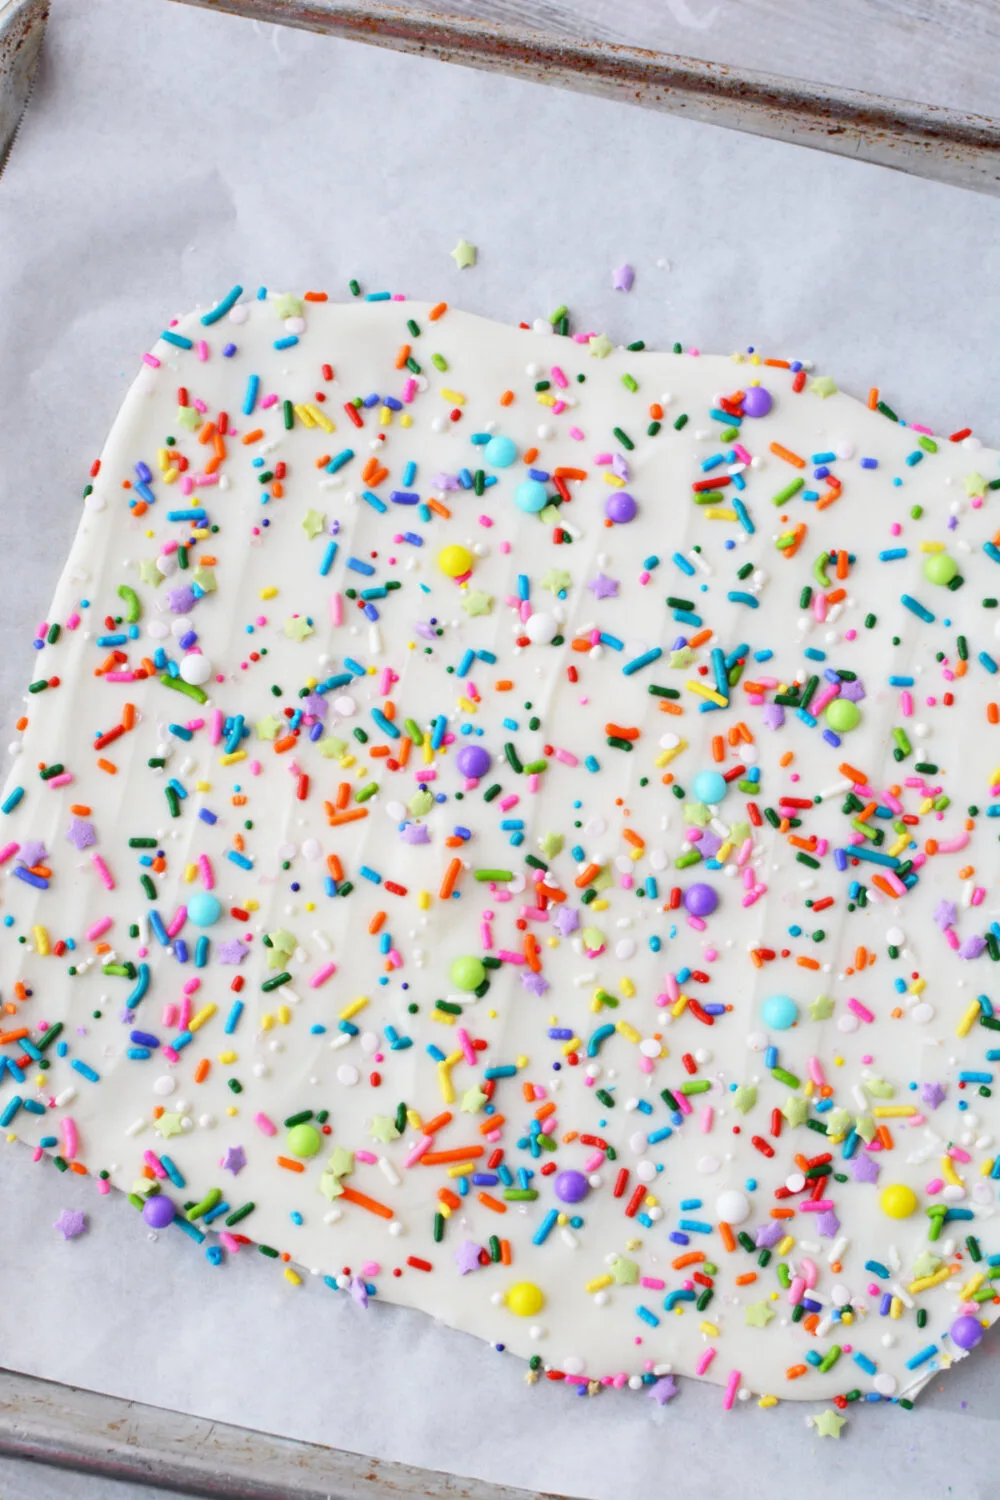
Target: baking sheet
169, 153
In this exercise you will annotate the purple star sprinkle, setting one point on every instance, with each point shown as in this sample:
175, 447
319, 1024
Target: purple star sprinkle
664, 1390
81, 833
931, 1094
603, 587
767, 1236
534, 983
233, 952
864, 1168
622, 278
566, 920
234, 1160
70, 1223
827, 1224
466, 1257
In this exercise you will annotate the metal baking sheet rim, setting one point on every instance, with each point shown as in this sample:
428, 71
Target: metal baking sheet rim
947, 145
121, 1440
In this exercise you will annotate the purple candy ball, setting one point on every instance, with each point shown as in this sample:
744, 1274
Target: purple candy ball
756, 402
473, 760
571, 1187
700, 899
159, 1211
966, 1332
620, 507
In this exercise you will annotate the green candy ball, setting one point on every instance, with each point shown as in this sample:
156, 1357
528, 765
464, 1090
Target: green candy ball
842, 715
940, 568
303, 1140
467, 973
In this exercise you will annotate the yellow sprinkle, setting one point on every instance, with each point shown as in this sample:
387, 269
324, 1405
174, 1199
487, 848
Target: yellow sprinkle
987, 1167
203, 786
948, 1172
293, 1276
252, 905
571, 1046
346, 762
320, 417
719, 513
266, 1021
636, 854
599, 905
918, 986
895, 1308
413, 1119
232, 1110
199, 532
385, 416
232, 757
268, 592
972, 1286
461, 1169
628, 1032
897, 848
766, 1401
706, 692
170, 475
893, 1111
544, 399
786, 1243
679, 1006
627, 987
457, 1057
723, 852
444, 1210
666, 756
353, 1008
200, 1017
615, 482
455, 397
227, 1057
428, 753
709, 1329
164, 458
190, 871
969, 1015
41, 938
468, 705
304, 415
598, 1283
443, 1017
923, 1282
926, 805
406, 420
932, 546
423, 900
444, 1083
284, 1014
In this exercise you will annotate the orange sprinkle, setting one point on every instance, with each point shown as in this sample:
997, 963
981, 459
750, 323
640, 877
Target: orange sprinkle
700, 637
728, 1239
376, 923
993, 713
439, 509
493, 1204
353, 815
788, 455
335, 867
402, 356
315, 297
621, 732
586, 876
445, 1195
746, 1278
107, 765
343, 795
807, 963
438, 311
530, 454
873, 398
505, 1255
450, 877
506, 398
794, 1371
633, 838
457, 1153
541, 1113
351, 1195
289, 1165
80, 809
782, 1213
885, 1136
430, 1127
201, 1071
718, 748
690, 1259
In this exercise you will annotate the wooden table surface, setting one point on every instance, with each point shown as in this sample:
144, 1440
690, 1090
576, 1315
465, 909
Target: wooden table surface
933, 51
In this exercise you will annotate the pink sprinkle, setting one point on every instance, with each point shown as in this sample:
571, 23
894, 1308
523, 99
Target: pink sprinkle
336, 609
207, 874
151, 359
7, 852
707, 1119
416, 1152
63, 779
860, 1010
506, 803
107, 879
486, 521
652, 1282
704, 1361
816, 1071
169, 1017
732, 1386
73, 622
958, 1154
595, 1162
978, 896
71, 1141
684, 1105
567, 758
153, 1161
264, 1124
576, 434
321, 976
465, 1042
935, 1186
177, 921
816, 1205
368, 1157
100, 926
268, 401
230, 1241
559, 378
201, 349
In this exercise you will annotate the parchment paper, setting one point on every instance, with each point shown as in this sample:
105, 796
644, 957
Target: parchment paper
168, 153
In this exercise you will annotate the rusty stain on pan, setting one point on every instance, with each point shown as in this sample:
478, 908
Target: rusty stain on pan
930, 141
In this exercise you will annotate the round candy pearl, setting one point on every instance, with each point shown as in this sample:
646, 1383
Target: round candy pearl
898, 1200
159, 1211
571, 1187
779, 1012
710, 786
525, 1299
196, 668
842, 715
303, 1140
531, 496
620, 507
500, 452
541, 629
732, 1206
473, 760
701, 899
204, 909
455, 560
940, 568
467, 973
966, 1332
757, 401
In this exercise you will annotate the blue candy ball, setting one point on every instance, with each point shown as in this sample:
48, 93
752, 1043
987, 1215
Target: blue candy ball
204, 909
530, 496
710, 786
779, 1012
500, 452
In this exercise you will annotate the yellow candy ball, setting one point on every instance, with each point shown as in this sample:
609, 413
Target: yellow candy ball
898, 1201
525, 1299
455, 560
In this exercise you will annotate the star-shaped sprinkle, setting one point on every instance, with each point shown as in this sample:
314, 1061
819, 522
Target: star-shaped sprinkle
550, 844
341, 1162
864, 1167
181, 600
663, 1390
168, 1124
466, 1257
823, 385
81, 833
297, 628
286, 305
232, 952
566, 920
603, 587
32, 852
332, 747
234, 1160
975, 484
359, 1291
828, 1424
313, 523
827, 1224
622, 278
473, 1100
758, 1314
683, 657
205, 579
625, 1272
866, 1128
463, 254
475, 602
70, 1223
383, 1128
931, 1094
600, 346
768, 1235
267, 727
535, 984
795, 1110
821, 1009
330, 1185
745, 1098
925, 1263
149, 572
557, 581
189, 417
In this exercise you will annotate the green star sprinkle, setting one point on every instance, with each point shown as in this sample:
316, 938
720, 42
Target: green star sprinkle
463, 254
313, 522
